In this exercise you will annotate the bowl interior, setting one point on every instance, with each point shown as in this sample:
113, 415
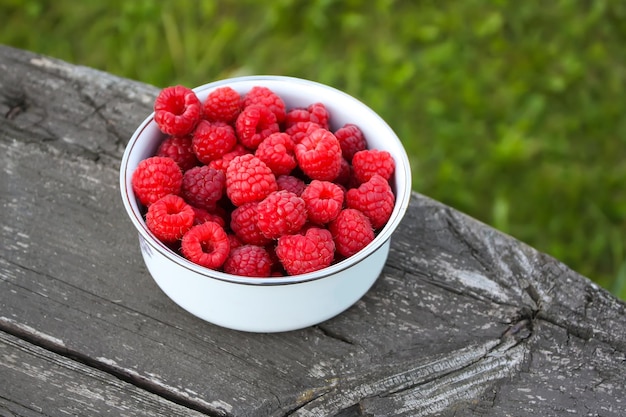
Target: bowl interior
343, 109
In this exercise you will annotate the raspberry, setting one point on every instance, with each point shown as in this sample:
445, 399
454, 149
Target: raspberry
319, 155
248, 261
319, 114
180, 150
254, 124
369, 162
267, 98
202, 215
203, 186
248, 179
297, 115
177, 110
206, 244
345, 174
243, 222
222, 105
351, 140
156, 177
290, 183
281, 213
212, 140
374, 198
323, 200
234, 241
351, 231
276, 151
314, 113
310, 252
169, 218
223, 162
300, 130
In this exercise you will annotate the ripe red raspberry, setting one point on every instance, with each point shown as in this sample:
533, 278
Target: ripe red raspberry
300, 130
203, 186
223, 162
180, 150
155, 177
265, 97
281, 213
169, 218
222, 105
351, 231
319, 155
248, 179
206, 245
315, 113
297, 115
177, 110
373, 198
310, 252
319, 114
212, 140
351, 140
276, 151
202, 215
372, 161
248, 261
291, 183
243, 222
254, 124
323, 200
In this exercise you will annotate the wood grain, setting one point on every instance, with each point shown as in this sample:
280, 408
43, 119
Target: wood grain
39, 383
464, 320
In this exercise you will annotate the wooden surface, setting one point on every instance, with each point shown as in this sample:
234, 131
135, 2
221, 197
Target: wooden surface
463, 320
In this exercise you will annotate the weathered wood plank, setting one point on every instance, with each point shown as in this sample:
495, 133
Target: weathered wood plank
463, 319
37, 383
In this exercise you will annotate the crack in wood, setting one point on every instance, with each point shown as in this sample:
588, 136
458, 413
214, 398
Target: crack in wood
328, 332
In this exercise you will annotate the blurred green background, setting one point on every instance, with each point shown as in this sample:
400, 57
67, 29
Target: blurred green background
512, 111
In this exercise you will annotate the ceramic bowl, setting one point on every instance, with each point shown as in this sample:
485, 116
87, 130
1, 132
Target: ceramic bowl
279, 303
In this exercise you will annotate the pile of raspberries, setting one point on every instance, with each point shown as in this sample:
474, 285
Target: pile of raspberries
244, 185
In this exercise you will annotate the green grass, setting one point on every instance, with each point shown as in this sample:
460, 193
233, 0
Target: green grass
512, 112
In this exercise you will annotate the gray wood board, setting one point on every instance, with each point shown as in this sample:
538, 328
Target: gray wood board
47, 384
464, 320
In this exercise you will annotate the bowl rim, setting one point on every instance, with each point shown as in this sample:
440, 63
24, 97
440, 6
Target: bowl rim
400, 207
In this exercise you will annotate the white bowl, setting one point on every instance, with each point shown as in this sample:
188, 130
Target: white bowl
278, 303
